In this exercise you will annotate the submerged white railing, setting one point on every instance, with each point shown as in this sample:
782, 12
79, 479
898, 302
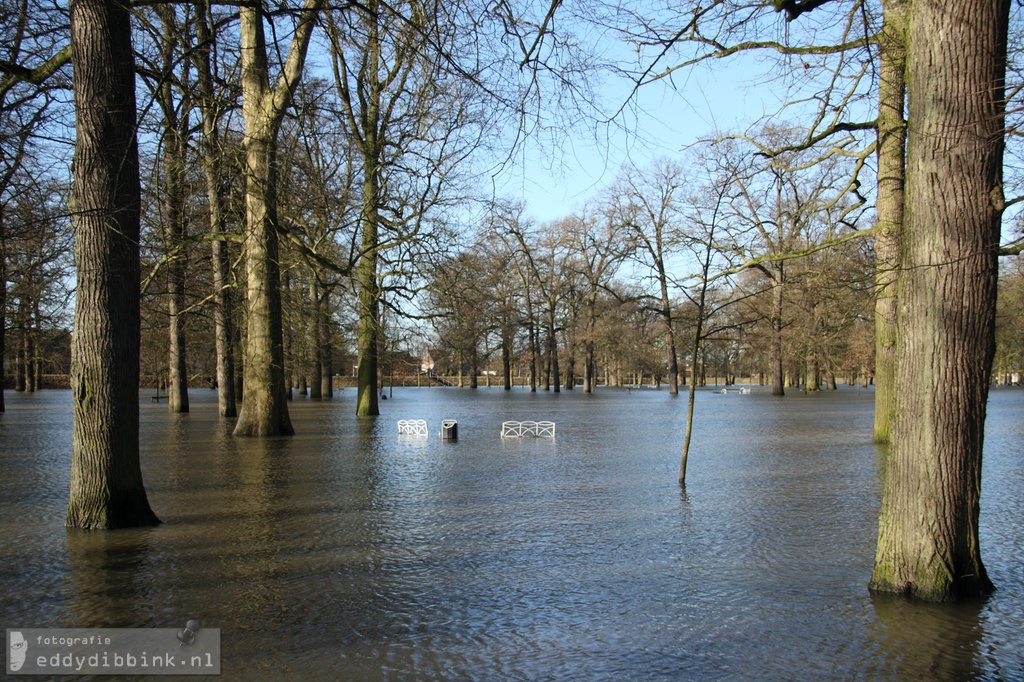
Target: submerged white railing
521, 429
413, 427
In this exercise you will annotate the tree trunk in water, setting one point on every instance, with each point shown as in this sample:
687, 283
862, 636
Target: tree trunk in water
928, 528
553, 355
31, 380
589, 367
326, 349
673, 366
106, 479
291, 378
174, 229
21, 355
506, 363
775, 355
532, 338
37, 358
264, 406
892, 135
545, 375
670, 339
589, 361
691, 398
813, 373
327, 367
368, 334
222, 324
369, 303
226, 397
316, 375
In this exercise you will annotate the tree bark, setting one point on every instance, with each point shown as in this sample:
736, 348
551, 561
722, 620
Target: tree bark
892, 135
928, 528
106, 479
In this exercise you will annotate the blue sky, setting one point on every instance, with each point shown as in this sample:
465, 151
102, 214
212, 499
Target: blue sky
727, 97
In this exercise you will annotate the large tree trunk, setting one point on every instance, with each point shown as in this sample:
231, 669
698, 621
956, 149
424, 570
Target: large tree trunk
368, 334
892, 135
106, 479
928, 528
264, 405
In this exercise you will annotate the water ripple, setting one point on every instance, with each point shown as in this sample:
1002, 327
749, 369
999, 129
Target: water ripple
350, 552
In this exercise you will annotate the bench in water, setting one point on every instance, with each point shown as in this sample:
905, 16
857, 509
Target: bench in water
521, 429
413, 427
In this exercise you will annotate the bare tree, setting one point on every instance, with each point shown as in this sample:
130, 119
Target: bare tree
31, 55
412, 109
39, 248
702, 243
169, 86
596, 249
655, 205
212, 109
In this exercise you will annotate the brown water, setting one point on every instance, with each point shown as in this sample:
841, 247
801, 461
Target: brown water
350, 552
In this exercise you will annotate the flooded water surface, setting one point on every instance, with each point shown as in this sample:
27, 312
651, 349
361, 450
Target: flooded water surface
350, 551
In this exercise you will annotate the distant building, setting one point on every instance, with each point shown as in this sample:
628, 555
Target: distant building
426, 363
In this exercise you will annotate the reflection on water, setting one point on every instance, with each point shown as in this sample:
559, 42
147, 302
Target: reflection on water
348, 551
